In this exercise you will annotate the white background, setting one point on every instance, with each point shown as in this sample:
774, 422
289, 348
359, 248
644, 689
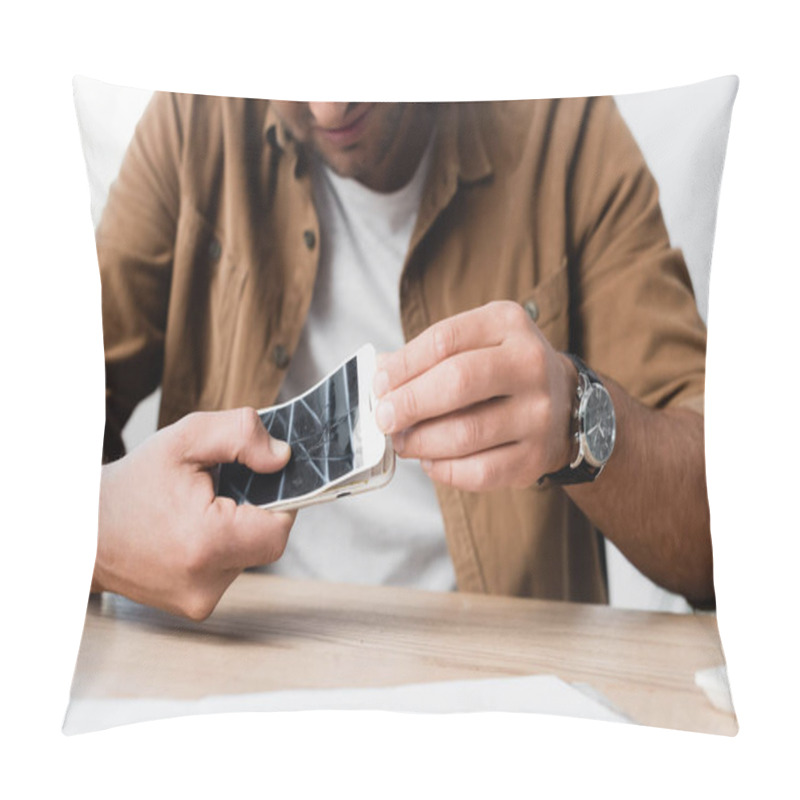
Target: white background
53, 388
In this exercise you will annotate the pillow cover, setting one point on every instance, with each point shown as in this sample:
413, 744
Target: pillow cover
682, 134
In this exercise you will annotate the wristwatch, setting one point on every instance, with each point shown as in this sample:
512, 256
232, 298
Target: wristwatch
595, 429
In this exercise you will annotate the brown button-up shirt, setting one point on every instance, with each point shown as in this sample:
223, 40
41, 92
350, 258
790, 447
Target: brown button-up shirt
208, 252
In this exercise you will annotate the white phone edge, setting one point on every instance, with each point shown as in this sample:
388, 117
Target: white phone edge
376, 478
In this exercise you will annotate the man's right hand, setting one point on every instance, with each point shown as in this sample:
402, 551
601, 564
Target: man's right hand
165, 539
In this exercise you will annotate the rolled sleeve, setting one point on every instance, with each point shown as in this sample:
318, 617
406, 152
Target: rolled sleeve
634, 299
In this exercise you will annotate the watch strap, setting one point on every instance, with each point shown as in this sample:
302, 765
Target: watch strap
584, 472
582, 367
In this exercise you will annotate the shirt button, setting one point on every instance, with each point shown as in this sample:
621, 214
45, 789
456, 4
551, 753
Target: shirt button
532, 309
214, 250
280, 356
310, 239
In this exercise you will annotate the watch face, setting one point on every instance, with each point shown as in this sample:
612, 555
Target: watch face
599, 426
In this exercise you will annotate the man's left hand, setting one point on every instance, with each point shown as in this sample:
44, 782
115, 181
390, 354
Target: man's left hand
481, 398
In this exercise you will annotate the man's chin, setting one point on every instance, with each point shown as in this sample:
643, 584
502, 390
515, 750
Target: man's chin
344, 166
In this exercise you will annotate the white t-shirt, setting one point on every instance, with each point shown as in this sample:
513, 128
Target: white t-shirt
394, 535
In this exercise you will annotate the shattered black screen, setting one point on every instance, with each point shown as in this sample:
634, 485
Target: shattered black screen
319, 426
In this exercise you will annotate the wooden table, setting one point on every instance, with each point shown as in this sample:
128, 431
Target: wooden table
271, 633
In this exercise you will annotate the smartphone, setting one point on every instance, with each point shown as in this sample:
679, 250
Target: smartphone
337, 447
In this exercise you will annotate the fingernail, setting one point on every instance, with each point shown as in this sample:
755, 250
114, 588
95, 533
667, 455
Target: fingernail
384, 416
399, 442
381, 383
279, 448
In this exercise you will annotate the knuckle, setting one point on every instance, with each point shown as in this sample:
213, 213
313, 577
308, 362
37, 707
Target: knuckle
446, 472
483, 474
198, 605
223, 510
457, 379
444, 341
185, 423
541, 412
416, 441
191, 420
550, 415
466, 434
513, 314
409, 404
182, 432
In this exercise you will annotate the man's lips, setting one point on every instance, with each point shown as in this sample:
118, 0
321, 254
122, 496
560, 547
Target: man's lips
348, 134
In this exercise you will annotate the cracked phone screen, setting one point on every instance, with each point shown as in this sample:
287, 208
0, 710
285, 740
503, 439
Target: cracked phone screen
322, 428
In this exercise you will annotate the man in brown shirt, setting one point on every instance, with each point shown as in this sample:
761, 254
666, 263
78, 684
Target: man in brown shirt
538, 234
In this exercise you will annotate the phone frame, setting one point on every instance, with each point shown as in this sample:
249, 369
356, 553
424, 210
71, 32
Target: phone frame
377, 458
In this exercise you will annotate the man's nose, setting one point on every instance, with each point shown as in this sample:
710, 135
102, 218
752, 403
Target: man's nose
331, 115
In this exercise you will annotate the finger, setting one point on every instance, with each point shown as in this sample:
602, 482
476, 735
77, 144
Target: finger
463, 433
250, 536
461, 381
480, 327
207, 438
490, 469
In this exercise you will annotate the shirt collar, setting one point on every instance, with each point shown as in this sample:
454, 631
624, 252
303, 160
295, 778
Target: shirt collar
274, 132
462, 149
277, 135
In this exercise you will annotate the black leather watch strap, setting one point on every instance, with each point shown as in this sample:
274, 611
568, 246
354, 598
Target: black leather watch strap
581, 367
583, 473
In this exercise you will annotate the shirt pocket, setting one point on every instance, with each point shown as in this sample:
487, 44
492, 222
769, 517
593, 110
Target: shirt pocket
547, 304
207, 291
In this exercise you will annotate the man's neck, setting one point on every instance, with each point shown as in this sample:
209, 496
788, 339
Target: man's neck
415, 134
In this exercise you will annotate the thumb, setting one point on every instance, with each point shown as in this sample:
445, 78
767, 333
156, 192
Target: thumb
221, 437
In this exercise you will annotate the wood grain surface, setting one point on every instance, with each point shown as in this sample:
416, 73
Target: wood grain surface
272, 633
